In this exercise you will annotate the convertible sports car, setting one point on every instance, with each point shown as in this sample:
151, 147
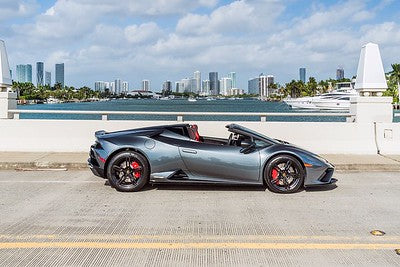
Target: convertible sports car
178, 154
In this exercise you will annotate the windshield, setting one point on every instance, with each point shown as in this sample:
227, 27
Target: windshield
239, 128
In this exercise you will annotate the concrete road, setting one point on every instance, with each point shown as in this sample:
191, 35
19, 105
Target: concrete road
73, 218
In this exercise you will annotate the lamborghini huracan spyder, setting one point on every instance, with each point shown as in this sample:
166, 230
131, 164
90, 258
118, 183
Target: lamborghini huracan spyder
178, 154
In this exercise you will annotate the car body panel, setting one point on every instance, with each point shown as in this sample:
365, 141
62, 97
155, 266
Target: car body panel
174, 156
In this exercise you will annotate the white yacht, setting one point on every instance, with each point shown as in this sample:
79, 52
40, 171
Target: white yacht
339, 99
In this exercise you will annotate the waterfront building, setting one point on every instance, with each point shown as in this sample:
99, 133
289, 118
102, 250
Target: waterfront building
339, 73
125, 87
100, 86
206, 87
47, 78
21, 73
197, 87
167, 88
237, 91
193, 85
28, 73
185, 85
232, 75
146, 85
214, 83
226, 86
177, 85
60, 74
117, 86
39, 73
302, 72
253, 86
112, 87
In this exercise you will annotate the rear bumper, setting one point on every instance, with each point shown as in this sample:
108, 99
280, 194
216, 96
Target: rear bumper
94, 164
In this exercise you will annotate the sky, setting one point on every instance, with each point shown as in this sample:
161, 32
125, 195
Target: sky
132, 40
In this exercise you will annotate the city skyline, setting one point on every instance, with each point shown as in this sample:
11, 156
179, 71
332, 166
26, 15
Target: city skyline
138, 39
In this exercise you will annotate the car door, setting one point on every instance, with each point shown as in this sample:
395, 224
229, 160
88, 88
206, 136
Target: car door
220, 162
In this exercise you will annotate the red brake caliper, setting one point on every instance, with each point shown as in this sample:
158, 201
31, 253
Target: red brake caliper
135, 166
274, 175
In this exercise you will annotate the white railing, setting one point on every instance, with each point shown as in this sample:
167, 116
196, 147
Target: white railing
179, 115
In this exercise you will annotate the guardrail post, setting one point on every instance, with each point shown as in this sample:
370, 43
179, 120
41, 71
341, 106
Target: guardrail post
179, 118
16, 116
104, 117
263, 118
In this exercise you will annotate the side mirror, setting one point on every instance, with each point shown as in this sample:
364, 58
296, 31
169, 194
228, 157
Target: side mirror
247, 146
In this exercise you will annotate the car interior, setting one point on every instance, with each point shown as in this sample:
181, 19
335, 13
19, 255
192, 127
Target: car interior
234, 139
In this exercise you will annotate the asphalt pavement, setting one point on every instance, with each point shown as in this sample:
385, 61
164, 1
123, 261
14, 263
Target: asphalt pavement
58, 218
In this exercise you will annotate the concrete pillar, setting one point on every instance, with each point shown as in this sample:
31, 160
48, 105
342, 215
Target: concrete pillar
371, 109
370, 106
8, 100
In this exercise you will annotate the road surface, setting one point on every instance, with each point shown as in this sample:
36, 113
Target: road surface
74, 218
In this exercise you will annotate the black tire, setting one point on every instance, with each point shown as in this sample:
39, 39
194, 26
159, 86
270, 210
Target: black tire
128, 171
284, 174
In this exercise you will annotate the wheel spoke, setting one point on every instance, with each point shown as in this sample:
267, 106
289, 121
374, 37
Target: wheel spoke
287, 165
132, 179
117, 168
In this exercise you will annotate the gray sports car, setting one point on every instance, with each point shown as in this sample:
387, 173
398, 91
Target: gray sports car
178, 154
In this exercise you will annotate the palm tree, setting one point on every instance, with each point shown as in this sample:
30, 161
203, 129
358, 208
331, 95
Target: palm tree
394, 75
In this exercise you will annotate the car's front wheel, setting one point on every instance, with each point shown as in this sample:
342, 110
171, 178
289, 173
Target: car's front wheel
128, 171
284, 174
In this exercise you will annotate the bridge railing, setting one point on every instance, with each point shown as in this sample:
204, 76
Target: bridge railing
104, 115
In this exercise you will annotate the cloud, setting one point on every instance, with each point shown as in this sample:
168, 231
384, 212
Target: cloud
168, 39
234, 18
10, 9
143, 33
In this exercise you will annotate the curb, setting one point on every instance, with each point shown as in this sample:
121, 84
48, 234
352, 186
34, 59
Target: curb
83, 166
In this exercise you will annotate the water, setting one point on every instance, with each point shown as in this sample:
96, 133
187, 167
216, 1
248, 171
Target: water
242, 105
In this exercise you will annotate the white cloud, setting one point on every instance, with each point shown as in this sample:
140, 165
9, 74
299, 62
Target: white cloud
143, 33
17, 8
168, 39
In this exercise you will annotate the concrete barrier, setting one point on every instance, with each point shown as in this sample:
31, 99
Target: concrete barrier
78, 135
388, 138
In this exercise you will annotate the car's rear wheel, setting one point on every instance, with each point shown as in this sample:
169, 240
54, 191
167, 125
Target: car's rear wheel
284, 174
128, 171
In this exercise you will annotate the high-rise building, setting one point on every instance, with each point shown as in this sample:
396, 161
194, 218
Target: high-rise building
339, 73
302, 72
21, 73
206, 87
146, 85
265, 82
112, 87
125, 87
60, 74
28, 73
226, 86
232, 75
177, 86
167, 88
253, 86
214, 83
117, 86
197, 77
185, 86
39, 73
100, 86
47, 78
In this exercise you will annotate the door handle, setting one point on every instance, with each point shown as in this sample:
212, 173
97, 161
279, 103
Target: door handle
191, 151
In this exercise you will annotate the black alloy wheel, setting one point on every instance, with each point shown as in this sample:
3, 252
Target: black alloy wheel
128, 171
284, 174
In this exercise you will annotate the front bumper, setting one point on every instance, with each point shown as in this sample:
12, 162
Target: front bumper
322, 175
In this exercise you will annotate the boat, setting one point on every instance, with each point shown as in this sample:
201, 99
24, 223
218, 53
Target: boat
338, 99
191, 99
52, 100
